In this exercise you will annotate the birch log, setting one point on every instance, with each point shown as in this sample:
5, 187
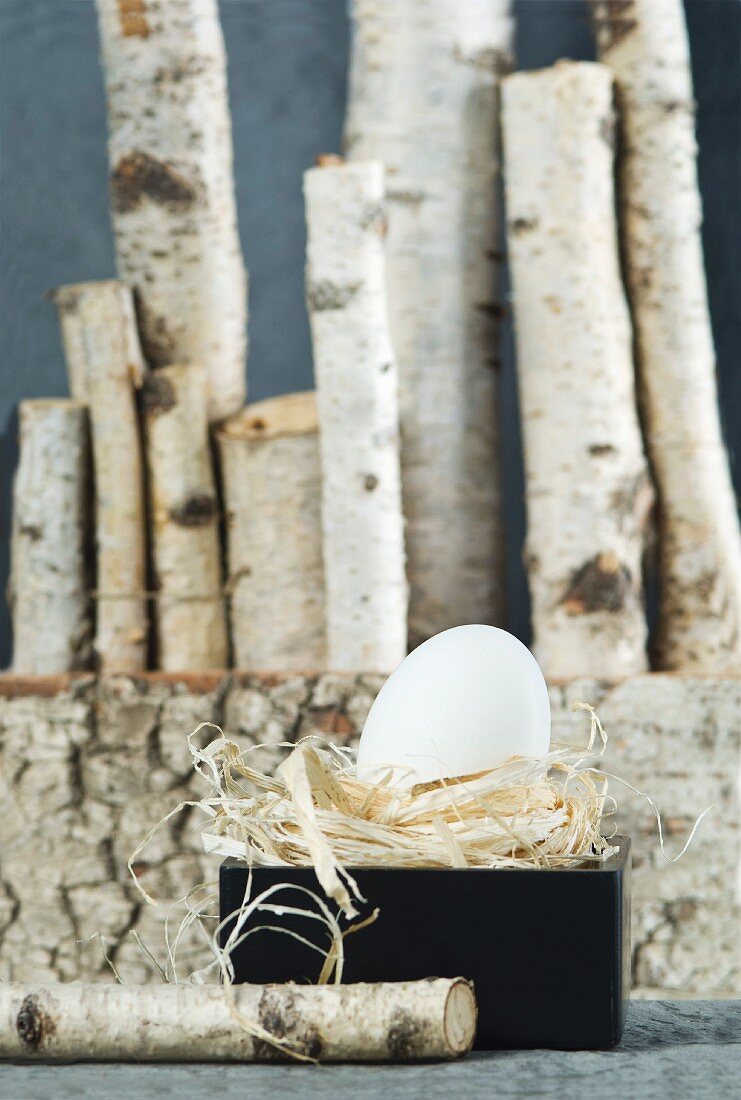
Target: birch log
191, 621
588, 492
272, 491
172, 192
48, 584
424, 100
105, 367
363, 534
644, 42
387, 1022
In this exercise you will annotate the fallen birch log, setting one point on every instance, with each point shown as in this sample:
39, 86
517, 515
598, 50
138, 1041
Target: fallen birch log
588, 492
423, 99
363, 534
172, 192
191, 620
105, 368
272, 492
391, 1022
644, 42
48, 587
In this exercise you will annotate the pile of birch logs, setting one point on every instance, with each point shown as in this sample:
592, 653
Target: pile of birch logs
335, 529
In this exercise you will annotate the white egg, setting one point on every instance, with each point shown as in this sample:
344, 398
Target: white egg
462, 702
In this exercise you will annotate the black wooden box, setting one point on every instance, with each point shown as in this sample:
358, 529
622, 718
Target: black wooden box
548, 950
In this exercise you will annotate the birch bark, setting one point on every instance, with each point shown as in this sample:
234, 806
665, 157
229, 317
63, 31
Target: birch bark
191, 1023
172, 192
363, 534
424, 100
272, 491
644, 42
105, 367
48, 584
191, 621
588, 492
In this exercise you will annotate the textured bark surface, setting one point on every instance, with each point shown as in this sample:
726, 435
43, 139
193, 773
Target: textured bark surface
644, 42
48, 588
105, 368
172, 192
272, 492
391, 1022
363, 529
88, 766
588, 493
423, 99
184, 517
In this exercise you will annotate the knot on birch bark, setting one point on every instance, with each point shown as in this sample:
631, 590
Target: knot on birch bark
158, 394
138, 176
198, 510
32, 1023
278, 1015
404, 1037
602, 584
327, 295
612, 21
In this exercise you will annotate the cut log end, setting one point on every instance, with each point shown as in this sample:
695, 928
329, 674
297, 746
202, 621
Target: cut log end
459, 1024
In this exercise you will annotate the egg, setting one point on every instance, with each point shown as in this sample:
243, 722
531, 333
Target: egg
463, 702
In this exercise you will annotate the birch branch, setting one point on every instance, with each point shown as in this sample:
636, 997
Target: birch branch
272, 490
424, 100
362, 523
105, 366
588, 492
48, 586
644, 42
191, 621
391, 1022
172, 192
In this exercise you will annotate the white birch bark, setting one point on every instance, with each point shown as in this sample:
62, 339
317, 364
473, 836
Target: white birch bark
172, 192
191, 620
424, 100
48, 588
363, 533
272, 491
105, 368
387, 1022
644, 42
588, 492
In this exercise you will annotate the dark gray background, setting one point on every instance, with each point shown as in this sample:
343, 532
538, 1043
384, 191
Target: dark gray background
287, 76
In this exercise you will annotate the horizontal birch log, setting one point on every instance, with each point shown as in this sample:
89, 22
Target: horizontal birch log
363, 533
49, 585
105, 368
644, 42
389, 1022
588, 492
423, 99
272, 491
184, 517
172, 191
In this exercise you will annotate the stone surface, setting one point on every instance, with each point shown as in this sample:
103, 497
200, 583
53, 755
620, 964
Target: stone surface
88, 767
670, 1049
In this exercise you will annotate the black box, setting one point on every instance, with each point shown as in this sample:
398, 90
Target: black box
548, 950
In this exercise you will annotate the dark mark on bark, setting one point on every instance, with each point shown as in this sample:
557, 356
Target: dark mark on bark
412, 198
139, 175
612, 22
602, 449
278, 1015
492, 309
131, 15
489, 59
519, 226
374, 219
197, 511
31, 531
158, 394
371, 482
607, 130
33, 1024
325, 295
602, 584
403, 1037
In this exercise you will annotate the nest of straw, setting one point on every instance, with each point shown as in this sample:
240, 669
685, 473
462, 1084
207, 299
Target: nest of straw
316, 812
